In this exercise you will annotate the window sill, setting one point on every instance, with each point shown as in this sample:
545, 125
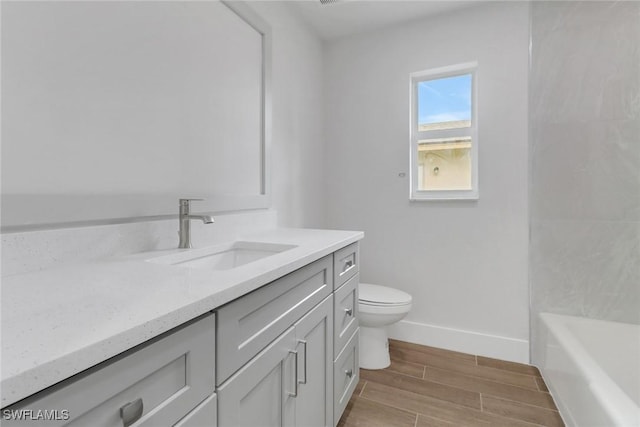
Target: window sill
435, 195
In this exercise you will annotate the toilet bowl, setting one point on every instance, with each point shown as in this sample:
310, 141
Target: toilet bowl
379, 307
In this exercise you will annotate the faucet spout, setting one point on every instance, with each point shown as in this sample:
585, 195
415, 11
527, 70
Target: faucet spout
185, 217
207, 219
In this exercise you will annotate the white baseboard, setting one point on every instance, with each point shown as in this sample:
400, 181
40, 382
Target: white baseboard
504, 348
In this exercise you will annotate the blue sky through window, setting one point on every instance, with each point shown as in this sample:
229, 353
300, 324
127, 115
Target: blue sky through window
444, 100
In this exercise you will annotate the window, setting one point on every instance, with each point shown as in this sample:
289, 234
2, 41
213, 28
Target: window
444, 141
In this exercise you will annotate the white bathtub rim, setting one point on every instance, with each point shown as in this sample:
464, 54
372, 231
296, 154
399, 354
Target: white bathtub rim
616, 403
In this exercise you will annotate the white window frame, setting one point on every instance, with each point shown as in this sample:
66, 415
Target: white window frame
416, 135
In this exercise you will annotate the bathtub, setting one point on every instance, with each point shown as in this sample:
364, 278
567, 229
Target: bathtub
592, 368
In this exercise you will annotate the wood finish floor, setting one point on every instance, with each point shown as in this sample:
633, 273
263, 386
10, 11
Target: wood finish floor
431, 387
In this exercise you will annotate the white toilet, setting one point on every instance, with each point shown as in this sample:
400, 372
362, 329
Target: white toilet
379, 307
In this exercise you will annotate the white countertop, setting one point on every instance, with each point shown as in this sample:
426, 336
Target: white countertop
59, 322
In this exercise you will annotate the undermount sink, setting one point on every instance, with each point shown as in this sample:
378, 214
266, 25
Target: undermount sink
222, 257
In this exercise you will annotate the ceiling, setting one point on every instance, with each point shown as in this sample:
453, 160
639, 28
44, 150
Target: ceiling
346, 17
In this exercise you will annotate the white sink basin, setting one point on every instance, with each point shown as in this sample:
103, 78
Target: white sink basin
222, 257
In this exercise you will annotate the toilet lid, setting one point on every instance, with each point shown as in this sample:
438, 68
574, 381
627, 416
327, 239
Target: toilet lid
382, 295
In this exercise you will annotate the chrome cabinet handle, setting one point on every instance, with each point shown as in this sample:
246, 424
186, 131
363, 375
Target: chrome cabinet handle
131, 412
349, 311
349, 372
347, 265
304, 343
295, 374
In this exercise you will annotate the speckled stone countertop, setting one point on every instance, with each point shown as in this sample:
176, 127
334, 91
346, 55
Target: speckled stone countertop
61, 321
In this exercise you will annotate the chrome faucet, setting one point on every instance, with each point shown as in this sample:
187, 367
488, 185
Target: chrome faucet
185, 218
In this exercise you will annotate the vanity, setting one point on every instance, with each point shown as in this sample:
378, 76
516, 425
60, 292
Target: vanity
269, 338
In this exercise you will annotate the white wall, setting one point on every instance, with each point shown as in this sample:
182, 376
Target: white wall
464, 262
297, 155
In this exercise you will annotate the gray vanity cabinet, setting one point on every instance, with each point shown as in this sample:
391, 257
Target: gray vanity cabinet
290, 383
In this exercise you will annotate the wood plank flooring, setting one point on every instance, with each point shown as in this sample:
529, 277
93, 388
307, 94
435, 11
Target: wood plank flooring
431, 387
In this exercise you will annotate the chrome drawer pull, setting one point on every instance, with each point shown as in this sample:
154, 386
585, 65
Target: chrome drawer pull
304, 343
131, 412
295, 375
347, 265
349, 372
349, 311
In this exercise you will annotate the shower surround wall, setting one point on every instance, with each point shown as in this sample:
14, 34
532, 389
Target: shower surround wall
585, 160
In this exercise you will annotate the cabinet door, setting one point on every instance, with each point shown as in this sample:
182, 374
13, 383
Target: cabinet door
262, 393
314, 337
203, 416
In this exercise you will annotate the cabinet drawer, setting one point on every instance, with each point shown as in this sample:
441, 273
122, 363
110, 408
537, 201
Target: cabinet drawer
345, 313
346, 375
249, 324
346, 263
156, 383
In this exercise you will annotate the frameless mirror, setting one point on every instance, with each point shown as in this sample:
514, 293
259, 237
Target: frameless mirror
114, 110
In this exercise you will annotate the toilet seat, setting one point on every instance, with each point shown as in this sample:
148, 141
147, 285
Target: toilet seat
382, 296
382, 304
382, 309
